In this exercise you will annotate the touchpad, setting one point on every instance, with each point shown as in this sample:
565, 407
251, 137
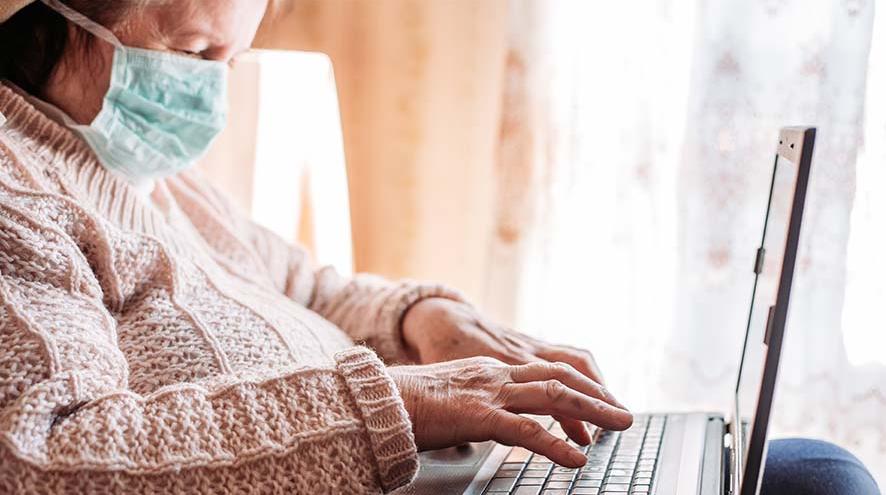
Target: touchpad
448, 470
469, 454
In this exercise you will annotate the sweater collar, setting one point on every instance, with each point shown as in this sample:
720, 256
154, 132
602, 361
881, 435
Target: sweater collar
40, 134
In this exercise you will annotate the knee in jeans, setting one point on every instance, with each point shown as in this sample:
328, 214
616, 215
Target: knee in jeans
814, 467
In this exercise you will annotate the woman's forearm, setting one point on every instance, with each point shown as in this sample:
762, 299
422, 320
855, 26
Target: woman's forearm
341, 427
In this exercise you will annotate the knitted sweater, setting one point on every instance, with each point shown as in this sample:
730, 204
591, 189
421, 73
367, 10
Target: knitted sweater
163, 343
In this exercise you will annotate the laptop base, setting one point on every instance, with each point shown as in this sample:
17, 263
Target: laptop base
691, 459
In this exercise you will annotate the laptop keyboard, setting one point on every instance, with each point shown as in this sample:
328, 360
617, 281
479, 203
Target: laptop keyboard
618, 463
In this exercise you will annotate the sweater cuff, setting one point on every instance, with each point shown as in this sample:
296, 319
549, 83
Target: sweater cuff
389, 334
384, 415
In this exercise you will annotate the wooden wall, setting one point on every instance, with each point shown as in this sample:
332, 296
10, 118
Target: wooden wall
420, 85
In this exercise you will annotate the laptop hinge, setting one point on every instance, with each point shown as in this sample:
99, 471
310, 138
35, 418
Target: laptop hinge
758, 262
727, 469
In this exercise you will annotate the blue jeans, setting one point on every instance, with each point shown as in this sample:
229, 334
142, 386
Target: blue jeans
813, 467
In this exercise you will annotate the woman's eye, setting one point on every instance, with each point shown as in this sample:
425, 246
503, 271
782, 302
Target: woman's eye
188, 53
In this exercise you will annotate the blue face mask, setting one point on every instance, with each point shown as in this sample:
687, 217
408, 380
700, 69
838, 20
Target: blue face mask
162, 111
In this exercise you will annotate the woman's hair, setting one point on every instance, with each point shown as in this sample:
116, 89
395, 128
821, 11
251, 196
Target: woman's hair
34, 40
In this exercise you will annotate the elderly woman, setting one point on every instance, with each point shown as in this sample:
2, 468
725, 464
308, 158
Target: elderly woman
154, 340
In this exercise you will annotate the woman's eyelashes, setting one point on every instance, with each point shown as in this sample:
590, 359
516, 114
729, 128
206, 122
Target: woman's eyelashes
221, 54
203, 55
186, 53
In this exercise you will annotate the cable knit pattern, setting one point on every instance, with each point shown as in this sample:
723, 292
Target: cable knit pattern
164, 343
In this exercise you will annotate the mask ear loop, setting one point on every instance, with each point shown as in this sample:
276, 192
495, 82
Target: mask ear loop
84, 22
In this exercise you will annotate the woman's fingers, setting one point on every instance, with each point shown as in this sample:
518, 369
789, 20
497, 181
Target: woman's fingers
580, 359
574, 429
479, 399
512, 429
566, 374
553, 398
516, 357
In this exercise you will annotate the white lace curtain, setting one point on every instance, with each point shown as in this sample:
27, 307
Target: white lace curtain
637, 139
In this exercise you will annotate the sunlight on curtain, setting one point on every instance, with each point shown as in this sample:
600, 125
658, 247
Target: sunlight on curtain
596, 249
648, 129
864, 317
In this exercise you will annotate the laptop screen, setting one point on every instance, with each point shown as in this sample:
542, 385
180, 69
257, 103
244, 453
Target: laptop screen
765, 291
774, 266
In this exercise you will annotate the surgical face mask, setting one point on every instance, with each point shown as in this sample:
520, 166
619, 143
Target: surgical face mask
162, 111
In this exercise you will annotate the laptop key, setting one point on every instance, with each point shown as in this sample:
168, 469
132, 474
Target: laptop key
501, 485
531, 481
590, 476
507, 473
535, 473
618, 479
512, 465
555, 492
526, 490
585, 491
558, 484
561, 477
616, 487
620, 472
589, 483
518, 454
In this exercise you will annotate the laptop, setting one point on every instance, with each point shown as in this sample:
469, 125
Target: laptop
685, 453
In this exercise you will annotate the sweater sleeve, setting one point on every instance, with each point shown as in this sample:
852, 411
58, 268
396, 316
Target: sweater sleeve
70, 424
367, 307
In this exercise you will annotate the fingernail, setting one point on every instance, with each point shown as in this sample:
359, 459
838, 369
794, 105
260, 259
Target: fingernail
577, 457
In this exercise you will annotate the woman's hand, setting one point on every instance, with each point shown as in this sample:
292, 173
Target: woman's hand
438, 330
479, 399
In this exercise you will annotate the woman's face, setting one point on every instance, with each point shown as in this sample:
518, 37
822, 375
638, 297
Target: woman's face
208, 29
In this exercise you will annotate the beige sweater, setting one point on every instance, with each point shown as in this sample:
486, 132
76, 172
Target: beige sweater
166, 344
